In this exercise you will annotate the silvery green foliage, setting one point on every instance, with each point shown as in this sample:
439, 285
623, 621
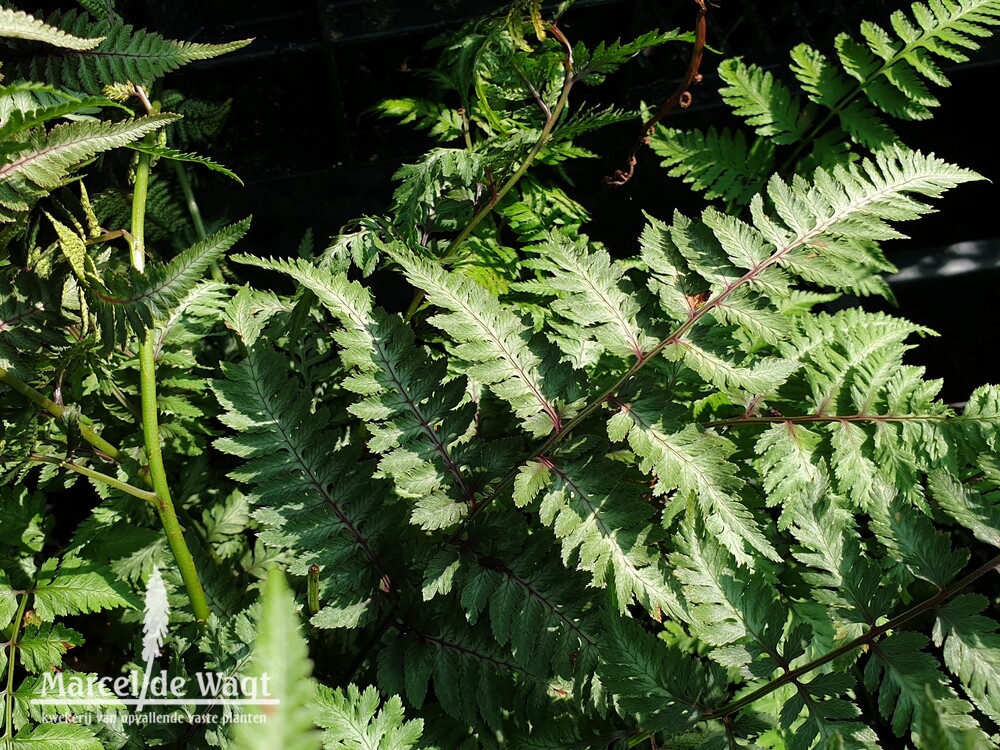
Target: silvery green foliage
577, 496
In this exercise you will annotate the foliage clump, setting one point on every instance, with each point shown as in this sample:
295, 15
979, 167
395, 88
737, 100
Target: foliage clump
575, 496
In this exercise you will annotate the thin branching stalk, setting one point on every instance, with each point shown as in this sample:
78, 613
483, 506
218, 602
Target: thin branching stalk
8, 707
97, 476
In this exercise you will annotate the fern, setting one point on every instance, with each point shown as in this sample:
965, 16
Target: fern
280, 654
422, 432
497, 346
575, 496
44, 161
353, 720
282, 439
124, 54
889, 72
19, 25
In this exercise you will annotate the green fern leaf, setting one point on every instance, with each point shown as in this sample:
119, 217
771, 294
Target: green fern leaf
19, 25
826, 85
696, 463
305, 487
842, 577
718, 163
56, 737
979, 514
592, 506
593, 66
156, 295
912, 539
737, 613
790, 463
355, 720
971, 650
892, 71
20, 120
8, 601
767, 105
828, 717
163, 152
125, 54
74, 246
42, 647
662, 689
591, 292
76, 587
496, 348
913, 691
417, 425
44, 161
280, 655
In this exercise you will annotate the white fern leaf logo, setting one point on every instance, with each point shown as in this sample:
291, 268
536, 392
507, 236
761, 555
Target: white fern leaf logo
155, 621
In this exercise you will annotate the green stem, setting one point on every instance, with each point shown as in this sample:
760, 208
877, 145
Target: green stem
312, 589
158, 475
139, 193
150, 419
8, 711
99, 477
88, 434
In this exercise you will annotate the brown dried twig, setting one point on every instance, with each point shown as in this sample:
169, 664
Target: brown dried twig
681, 97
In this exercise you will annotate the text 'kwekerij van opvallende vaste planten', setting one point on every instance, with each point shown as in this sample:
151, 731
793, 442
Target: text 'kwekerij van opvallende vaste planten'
574, 496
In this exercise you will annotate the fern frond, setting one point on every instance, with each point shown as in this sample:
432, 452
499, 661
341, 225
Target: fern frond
913, 541
826, 85
496, 347
718, 163
791, 463
155, 295
768, 105
971, 650
591, 293
475, 680
663, 690
355, 720
592, 505
736, 612
841, 576
163, 152
695, 463
202, 119
912, 690
418, 425
594, 65
980, 514
45, 160
439, 188
124, 54
892, 69
75, 586
527, 593
17, 24
280, 655
20, 120
307, 490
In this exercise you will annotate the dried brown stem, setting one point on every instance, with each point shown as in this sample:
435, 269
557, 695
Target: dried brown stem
681, 97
